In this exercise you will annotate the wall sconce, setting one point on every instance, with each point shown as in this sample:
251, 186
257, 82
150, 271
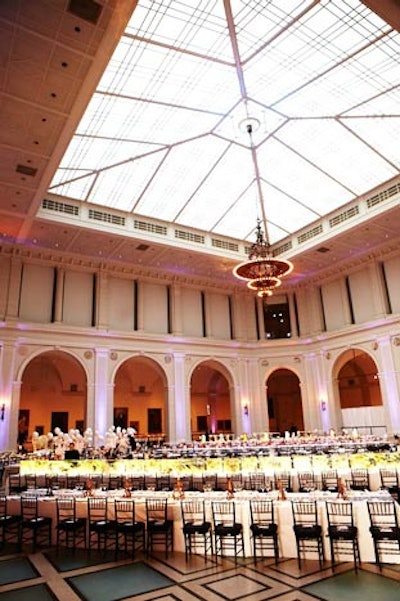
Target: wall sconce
2, 410
246, 409
323, 405
208, 409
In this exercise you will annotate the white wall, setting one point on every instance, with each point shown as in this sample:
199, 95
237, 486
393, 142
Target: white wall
78, 298
192, 320
36, 293
392, 272
121, 304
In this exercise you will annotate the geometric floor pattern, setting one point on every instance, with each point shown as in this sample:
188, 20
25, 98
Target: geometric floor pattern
66, 576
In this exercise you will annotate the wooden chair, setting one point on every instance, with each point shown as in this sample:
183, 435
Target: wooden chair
196, 529
263, 528
329, 480
101, 527
390, 481
127, 527
384, 528
34, 527
342, 532
71, 530
160, 528
307, 530
228, 533
10, 525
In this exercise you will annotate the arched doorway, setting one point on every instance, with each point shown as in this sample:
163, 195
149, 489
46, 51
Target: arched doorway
210, 406
284, 401
53, 394
359, 390
139, 398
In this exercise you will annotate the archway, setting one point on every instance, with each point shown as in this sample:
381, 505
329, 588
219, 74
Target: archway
139, 398
53, 394
284, 401
359, 390
210, 406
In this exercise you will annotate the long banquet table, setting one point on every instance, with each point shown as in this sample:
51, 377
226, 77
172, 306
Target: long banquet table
287, 544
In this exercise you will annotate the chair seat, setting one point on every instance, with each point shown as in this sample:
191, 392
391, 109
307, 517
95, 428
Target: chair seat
342, 532
71, 524
234, 530
6, 520
102, 525
160, 526
267, 530
130, 526
36, 522
385, 533
196, 528
304, 531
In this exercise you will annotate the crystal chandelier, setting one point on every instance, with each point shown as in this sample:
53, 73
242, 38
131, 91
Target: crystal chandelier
262, 271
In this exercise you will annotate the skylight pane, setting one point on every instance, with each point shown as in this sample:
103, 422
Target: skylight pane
381, 133
150, 72
120, 187
179, 176
220, 189
96, 153
296, 177
338, 153
190, 25
72, 183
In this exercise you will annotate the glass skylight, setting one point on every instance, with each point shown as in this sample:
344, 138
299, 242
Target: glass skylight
165, 134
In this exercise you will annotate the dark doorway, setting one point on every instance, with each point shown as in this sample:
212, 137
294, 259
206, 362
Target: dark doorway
59, 419
121, 417
154, 421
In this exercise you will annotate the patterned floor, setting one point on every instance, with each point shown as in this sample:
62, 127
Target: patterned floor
48, 576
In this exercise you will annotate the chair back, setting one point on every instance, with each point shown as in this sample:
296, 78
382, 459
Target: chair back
389, 478
305, 513
29, 508
262, 512
124, 511
3, 506
137, 482
163, 482
307, 481
156, 510
340, 513
383, 514
359, 479
283, 480
330, 480
193, 512
66, 508
97, 509
224, 513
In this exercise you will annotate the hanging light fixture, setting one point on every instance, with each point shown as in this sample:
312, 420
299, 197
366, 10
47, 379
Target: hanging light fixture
262, 271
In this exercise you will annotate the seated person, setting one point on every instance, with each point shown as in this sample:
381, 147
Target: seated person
72, 452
